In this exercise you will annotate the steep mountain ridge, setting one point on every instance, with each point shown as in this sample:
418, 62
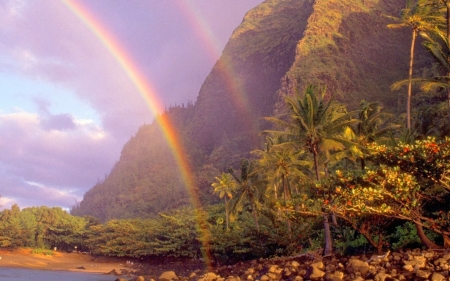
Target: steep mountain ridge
281, 46
371, 56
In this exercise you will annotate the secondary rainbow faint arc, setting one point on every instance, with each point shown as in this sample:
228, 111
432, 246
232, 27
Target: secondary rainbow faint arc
204, 32
146, 91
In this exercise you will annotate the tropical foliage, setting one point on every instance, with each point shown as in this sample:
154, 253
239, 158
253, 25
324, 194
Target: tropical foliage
326, 177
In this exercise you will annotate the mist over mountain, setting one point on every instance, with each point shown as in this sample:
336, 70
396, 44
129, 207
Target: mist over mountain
280, 47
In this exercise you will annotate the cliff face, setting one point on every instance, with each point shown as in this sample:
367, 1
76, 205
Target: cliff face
348, 47
279, 48
242, 85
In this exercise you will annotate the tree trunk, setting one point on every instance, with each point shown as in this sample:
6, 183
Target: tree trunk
226, 212
411, 61
446, 241
316, 164
448, 56
363, 164
326, 224
255, 216
328, 251
424, 239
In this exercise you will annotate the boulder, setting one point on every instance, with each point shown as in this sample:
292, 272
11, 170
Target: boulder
113, 272
168, 276
381, 276
355, 265
437, 277
210, 276
424, 274
333, 276
315, 271
416, 261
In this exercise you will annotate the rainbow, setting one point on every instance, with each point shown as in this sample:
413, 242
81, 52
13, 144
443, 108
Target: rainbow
149, 95
207, 37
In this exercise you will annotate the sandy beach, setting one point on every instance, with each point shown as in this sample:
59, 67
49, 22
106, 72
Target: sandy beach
24, 258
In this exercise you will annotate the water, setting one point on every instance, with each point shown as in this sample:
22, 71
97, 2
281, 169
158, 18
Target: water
17, 274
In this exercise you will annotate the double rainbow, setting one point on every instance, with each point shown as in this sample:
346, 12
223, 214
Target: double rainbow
148, 94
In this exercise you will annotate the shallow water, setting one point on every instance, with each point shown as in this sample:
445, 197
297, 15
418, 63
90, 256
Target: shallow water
17, 274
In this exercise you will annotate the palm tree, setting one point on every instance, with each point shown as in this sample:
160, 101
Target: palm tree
316, 125
247, 191
422, 19
225, 186
372, 126
281, 164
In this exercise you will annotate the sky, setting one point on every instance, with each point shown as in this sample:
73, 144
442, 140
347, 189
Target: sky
70, 72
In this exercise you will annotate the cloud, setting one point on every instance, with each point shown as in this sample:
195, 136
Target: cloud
50, 121
51, 166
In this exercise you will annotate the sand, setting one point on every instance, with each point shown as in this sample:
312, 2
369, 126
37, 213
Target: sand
24, 258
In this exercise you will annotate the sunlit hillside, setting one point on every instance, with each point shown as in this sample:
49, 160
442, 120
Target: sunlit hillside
279, 48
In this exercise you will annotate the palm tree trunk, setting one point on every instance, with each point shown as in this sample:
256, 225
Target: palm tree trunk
226, 212
411, 61
326, 224
363, 164
255, 216
316, 164
448, 57
328, 241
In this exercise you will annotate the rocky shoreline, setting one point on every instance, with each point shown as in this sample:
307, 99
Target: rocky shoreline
402, 265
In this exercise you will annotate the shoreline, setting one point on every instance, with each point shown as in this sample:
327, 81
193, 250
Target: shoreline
60, 261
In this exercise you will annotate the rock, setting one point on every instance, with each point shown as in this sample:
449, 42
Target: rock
264, 278
333, 276
354, 266
250, 271
318, 265
440, 261
437, 277
381, 276
80, 267
168, 276
113, 272
287, 272
428, 255
275, 269
416, 261
314, 271
210, 276
330, 268
424, 274
139, 278
408, 268
121, 279
446, 257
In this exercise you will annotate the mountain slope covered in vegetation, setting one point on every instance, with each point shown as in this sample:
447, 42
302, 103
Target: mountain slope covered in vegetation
279, 48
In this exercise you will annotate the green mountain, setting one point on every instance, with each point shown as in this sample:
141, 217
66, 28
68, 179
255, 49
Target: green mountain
280, 46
